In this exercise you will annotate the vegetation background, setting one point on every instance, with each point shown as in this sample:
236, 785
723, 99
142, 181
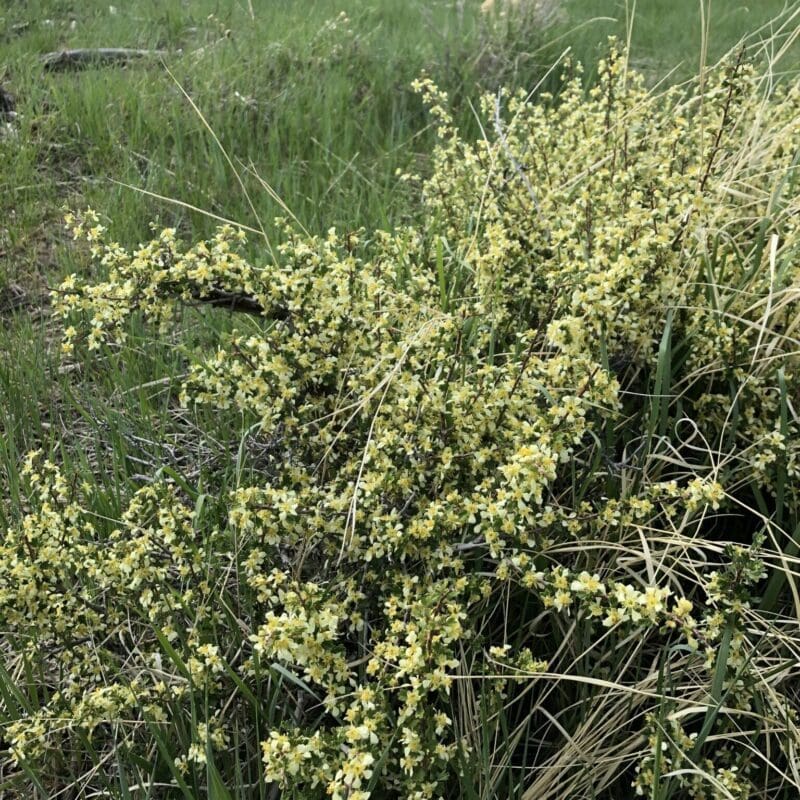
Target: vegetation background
251, 110
255, 105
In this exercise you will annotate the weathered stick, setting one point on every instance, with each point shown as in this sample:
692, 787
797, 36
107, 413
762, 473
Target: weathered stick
231, 301
75, 59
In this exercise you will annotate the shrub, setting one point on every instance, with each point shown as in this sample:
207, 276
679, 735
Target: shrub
522, 526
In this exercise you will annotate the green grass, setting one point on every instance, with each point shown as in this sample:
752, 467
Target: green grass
671, 36
324, 117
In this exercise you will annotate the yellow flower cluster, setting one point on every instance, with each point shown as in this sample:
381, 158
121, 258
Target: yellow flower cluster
520, 412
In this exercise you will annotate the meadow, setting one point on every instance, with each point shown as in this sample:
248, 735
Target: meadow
472, 475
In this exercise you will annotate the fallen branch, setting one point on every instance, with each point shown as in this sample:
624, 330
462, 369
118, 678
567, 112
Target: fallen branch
75, 59
231, 301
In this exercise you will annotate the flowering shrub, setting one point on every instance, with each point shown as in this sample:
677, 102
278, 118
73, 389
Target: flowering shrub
528, 463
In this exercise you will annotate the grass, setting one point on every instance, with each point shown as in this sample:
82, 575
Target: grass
322, 118
670, 37
329, 147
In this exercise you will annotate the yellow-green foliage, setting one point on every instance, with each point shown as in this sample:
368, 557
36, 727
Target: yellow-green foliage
483, 557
